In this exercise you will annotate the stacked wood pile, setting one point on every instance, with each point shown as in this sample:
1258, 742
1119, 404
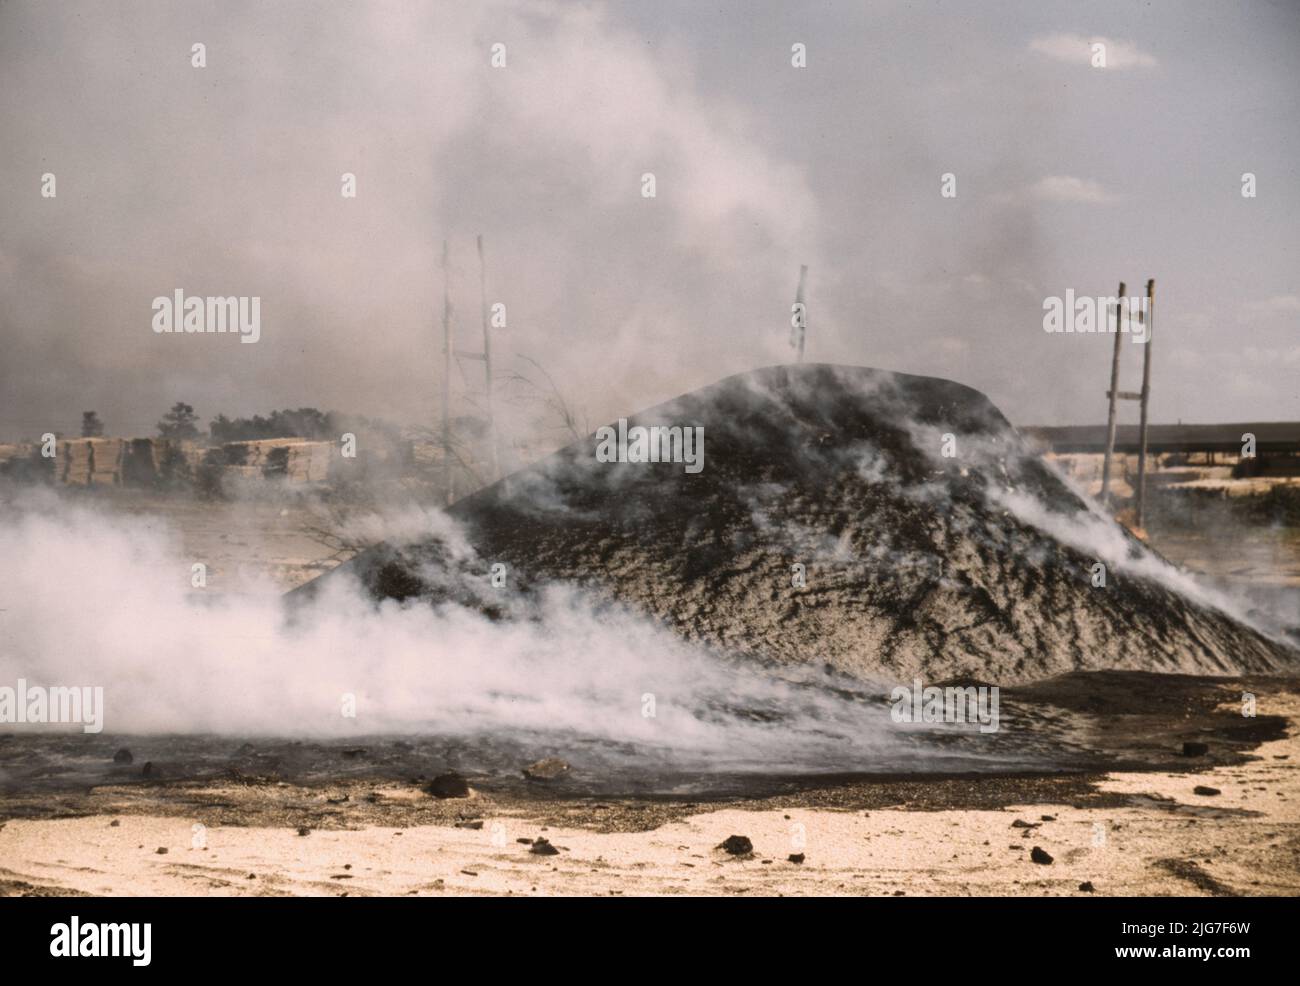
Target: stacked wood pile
293, 459
144, 462
89, 461
10, 453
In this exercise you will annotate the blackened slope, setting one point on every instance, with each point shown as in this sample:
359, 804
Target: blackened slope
914, 562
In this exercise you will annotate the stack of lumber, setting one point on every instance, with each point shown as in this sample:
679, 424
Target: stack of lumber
309, 462
90, 461
140, 461
20, 451
294, 459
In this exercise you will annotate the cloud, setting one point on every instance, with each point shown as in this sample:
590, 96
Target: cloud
1079, 49
1067, 188
1279, 304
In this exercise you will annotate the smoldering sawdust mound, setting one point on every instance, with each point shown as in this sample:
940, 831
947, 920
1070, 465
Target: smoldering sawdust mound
914, 562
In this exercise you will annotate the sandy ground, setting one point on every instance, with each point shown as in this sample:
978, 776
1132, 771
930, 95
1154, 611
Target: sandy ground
1134, 834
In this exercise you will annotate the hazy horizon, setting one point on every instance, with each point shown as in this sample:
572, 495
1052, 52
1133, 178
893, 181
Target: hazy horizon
225, 180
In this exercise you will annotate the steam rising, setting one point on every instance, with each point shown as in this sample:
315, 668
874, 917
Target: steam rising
106, 600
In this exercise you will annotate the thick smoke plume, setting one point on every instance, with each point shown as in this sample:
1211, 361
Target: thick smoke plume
106, 600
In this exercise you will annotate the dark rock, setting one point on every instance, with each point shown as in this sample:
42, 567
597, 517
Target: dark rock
1021, 824
1039, 856
475, 825
1195, 749
546, 770
1206, 791
114, 823
449, 785
161, 850
543, 847
1048, 818
737, 845
1087, 887
304, 830
795, 857
123, 756
147, 770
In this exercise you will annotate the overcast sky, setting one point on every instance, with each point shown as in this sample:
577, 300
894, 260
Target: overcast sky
226, 180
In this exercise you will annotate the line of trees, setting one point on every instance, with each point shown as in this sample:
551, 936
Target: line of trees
305, 422
182, 422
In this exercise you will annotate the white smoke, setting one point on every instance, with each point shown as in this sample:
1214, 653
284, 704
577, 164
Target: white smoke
1095, 533
101, 599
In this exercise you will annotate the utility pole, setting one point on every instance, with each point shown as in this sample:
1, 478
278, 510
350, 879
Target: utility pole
487, 362
799, 327
1113, 394
1149, 314
446, 380
452, 354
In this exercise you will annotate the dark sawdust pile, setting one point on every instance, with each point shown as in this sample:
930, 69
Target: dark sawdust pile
915, 562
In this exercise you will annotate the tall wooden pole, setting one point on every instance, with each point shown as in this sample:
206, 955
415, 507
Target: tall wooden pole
487, 361
1146, 396
1114, 396
446, 379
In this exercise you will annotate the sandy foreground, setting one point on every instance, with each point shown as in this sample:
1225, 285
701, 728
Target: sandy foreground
1149, 835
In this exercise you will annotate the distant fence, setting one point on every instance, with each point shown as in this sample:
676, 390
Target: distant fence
1271, 438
